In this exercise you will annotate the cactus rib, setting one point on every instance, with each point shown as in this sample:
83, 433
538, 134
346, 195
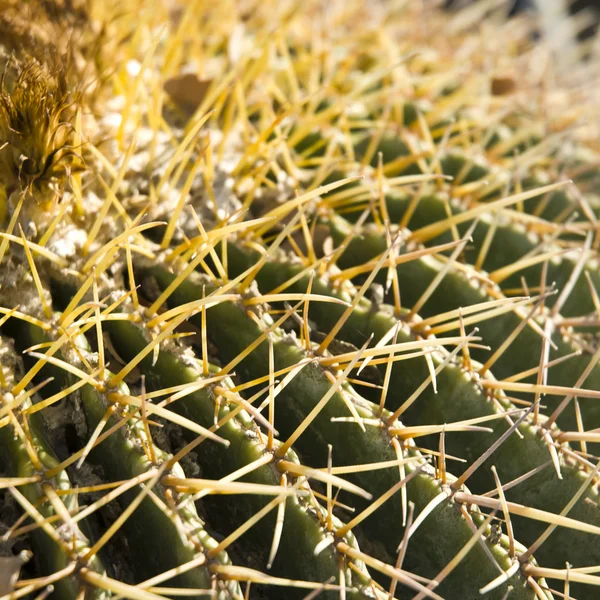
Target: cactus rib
26, 455
462, 399
231, 330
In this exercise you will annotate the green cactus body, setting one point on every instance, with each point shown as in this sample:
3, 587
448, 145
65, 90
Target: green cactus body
232, 331
16, 462
511, 242
459, 398
465, 288
303, 530
219, 410
168, 546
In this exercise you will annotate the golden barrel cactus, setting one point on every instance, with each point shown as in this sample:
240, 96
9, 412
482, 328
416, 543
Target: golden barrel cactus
297, 299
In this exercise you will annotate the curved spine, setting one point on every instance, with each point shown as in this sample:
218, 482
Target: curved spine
26, 454
128, 454
233, 331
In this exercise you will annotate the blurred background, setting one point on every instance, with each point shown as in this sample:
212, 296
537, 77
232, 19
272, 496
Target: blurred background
517, 5
582, 17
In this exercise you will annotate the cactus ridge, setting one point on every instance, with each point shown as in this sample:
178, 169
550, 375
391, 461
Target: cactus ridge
26, 453
467, 287
296, 402
295, 301
466, 398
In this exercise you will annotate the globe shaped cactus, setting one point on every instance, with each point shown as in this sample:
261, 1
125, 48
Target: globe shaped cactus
297, 300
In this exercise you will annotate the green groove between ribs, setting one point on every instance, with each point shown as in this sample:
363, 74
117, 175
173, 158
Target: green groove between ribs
121, 457
232, 331
459, 398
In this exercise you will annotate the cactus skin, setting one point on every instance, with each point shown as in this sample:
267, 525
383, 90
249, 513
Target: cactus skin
302, 532
463, 289
512, 241
232, 331
16, 462
185, 145
167, 547
464, 399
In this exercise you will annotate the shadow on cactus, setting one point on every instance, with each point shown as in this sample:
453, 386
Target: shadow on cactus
304, 323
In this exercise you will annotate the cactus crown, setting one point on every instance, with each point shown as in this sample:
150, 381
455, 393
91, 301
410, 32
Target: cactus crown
318, 312
38, 150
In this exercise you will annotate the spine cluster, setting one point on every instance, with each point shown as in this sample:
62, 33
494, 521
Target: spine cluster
295, 301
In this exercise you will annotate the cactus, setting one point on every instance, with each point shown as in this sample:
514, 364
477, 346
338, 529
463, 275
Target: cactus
295, 301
